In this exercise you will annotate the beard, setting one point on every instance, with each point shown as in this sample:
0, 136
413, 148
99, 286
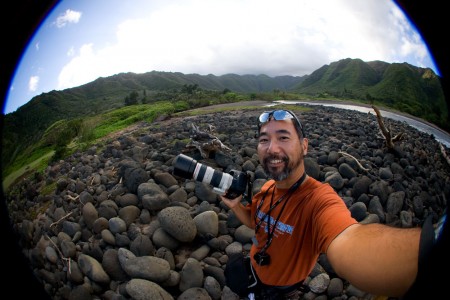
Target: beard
275, 173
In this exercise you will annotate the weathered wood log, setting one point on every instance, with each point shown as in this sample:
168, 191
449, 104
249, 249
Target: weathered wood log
387, 131
444, 154
204, 141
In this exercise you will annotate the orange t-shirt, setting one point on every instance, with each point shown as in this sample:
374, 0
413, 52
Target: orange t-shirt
314, 215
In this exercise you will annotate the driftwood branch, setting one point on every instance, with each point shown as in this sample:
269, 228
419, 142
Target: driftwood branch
444, 154
205, 141
386, 131
65, 259
55, 223
351, 156
72, 198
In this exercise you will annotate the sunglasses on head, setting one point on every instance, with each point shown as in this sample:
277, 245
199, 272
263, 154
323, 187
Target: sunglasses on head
279, 115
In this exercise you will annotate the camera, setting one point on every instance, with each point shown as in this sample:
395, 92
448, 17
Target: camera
231, 185
262, 258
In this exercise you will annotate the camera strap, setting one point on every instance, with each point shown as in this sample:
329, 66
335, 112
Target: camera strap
249, 194
287, 195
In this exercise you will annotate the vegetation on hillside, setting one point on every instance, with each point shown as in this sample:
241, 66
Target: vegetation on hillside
403, 87
59, 122
64, 137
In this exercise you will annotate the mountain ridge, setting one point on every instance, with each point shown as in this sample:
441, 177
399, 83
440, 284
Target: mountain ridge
401, 86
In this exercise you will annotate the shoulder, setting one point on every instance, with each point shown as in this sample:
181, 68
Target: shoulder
258, 194
322, 193
312, 185
267, 185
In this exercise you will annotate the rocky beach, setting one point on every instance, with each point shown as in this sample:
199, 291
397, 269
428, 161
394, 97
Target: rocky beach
118, 224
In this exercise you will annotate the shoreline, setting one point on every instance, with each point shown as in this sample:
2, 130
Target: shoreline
319, 102
383, 108
331, 102
440, 134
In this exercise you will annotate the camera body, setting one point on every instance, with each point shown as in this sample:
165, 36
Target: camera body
262, 258
230, 185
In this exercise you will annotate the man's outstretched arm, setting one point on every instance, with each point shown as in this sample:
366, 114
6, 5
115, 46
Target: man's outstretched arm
376, 258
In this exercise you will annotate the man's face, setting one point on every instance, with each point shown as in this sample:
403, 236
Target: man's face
279, 149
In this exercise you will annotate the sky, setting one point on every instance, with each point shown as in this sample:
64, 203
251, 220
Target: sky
82, 40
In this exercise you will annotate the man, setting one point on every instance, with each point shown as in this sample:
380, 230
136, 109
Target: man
296, 218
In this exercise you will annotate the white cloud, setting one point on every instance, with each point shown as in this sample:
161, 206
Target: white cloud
80, 70
71, 52
33, 83
69, 16
290, 37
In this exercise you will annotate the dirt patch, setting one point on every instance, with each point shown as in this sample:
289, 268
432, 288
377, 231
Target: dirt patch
237, 104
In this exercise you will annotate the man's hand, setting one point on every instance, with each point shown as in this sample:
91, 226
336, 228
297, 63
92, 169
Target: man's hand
241, 212
231, 203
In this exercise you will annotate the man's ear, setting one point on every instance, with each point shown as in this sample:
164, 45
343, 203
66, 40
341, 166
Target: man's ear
304, 144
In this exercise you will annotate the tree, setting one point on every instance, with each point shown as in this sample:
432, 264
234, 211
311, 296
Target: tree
190, 88
132, 98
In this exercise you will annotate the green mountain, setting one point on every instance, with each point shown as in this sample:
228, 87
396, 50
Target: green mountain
344, 76
401, 86
109, 93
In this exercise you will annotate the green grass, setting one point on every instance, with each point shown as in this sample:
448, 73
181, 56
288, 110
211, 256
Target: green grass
36, 158
28, 156
121, 118
39, 164
93, 128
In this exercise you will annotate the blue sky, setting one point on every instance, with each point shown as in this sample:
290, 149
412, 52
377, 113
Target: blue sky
82, 40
